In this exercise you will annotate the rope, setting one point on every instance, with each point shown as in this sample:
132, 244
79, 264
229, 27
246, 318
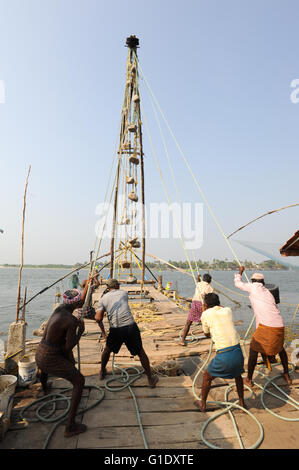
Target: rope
126, 380
153, 99
53, 399
229, 405
167, 195
92, 266
192, 338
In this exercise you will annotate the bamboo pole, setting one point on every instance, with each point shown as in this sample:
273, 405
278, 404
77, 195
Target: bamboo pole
260, 217
22, 247
63, 277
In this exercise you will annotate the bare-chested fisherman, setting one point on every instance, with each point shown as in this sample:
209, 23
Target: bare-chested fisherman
54, 353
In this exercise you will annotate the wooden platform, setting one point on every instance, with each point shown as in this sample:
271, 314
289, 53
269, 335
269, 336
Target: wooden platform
168, 414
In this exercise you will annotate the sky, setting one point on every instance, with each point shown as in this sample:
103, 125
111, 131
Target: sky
221, 71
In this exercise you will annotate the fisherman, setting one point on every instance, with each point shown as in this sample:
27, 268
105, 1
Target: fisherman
202, 288
268, 338
123, 329
74, 282
54, 353
217, 323
95, 281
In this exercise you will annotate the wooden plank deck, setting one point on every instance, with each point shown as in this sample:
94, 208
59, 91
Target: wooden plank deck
168, 414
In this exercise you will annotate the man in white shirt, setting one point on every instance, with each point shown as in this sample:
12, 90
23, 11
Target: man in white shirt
202, 288
217, 323
268, 338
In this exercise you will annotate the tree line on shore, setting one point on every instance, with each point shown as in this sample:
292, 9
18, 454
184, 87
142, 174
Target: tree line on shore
216, 264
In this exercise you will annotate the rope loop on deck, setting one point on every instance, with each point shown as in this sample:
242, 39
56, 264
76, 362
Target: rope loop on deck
53, 399
126, 380
229, 405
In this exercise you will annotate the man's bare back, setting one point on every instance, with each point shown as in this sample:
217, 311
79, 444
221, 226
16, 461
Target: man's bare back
54, 353
61, 325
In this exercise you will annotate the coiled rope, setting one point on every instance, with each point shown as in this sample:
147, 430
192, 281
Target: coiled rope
229, 405
53, 399
125, 379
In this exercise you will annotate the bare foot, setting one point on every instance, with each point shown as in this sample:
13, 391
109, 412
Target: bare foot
102, 374
182, 343
76, 428
200, 405
287, 378
248, 382
152, 383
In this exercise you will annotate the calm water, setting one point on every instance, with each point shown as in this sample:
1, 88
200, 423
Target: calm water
39, 309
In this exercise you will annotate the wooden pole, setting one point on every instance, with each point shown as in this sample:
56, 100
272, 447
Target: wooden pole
22, 247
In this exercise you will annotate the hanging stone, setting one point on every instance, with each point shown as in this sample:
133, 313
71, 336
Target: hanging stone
135, 243
130, 180
133, 159
132, 196
125, 264
136, 98
132, 127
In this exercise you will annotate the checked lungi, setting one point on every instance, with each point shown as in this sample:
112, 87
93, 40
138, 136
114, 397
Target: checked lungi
195, 311
51, 359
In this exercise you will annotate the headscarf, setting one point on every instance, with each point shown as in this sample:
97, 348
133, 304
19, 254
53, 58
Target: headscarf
72, 296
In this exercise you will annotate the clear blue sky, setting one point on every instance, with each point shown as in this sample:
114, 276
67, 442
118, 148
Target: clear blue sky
221, 71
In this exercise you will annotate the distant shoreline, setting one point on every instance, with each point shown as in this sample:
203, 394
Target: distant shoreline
166, 268
40, 267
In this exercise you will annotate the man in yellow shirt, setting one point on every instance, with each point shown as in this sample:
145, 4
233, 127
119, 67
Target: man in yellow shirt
217, 323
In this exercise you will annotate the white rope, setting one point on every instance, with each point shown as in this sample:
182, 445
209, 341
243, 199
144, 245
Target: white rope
190, 170
167, 194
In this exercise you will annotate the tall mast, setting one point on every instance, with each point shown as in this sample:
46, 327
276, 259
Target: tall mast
130, 172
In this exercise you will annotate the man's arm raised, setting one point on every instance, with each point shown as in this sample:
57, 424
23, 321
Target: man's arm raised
238, 280
82, 300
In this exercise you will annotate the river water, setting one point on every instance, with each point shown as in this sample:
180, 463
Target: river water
40, 308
